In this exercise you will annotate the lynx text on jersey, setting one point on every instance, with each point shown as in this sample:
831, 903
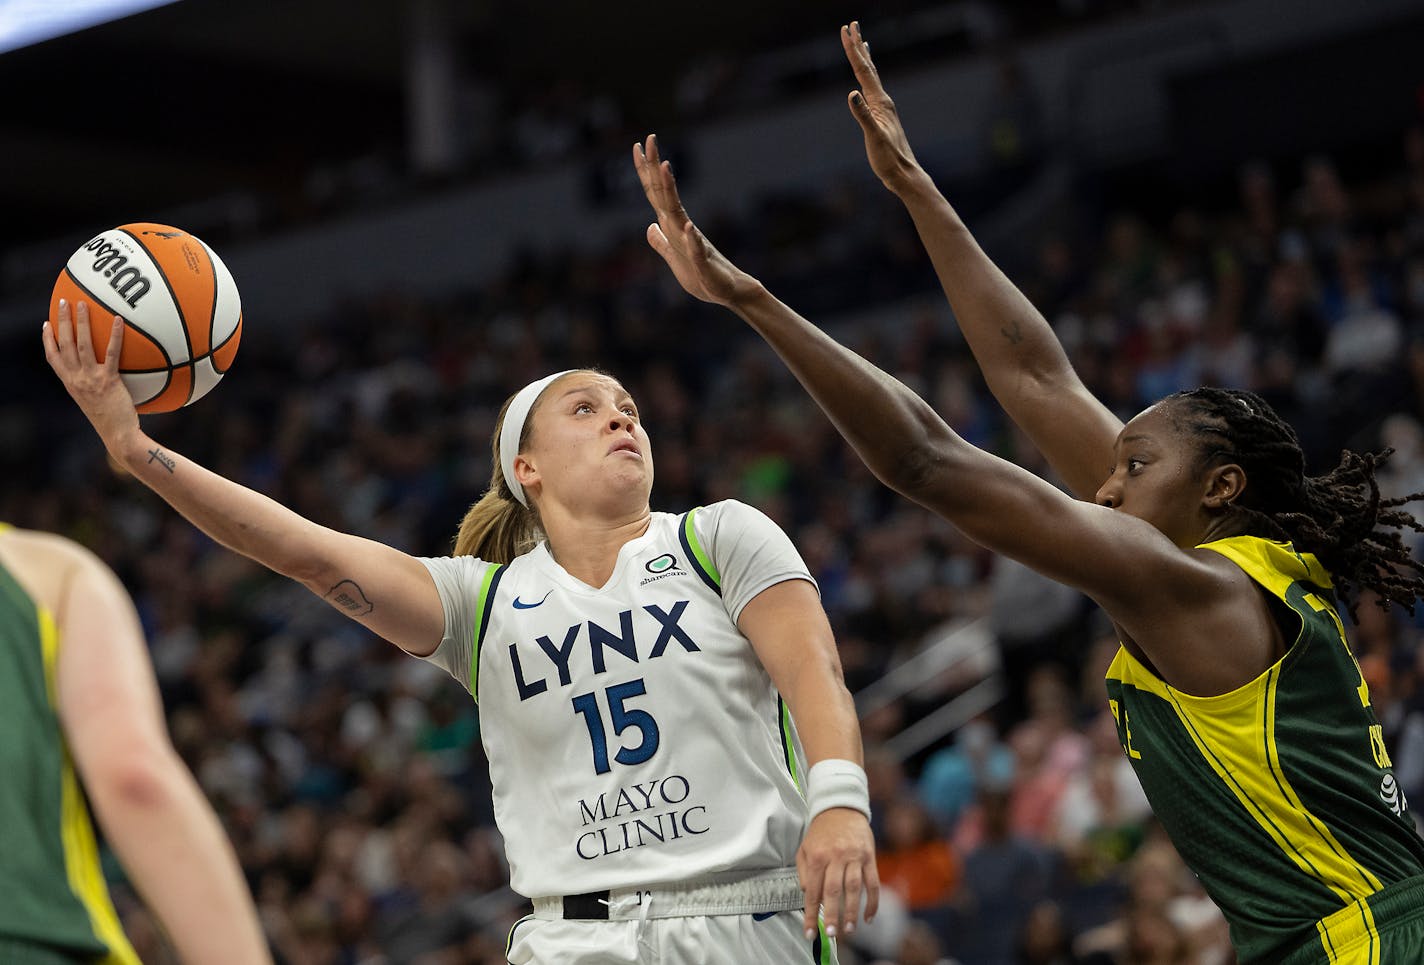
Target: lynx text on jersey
663, 627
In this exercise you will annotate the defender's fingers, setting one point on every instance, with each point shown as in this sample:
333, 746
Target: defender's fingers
699, 249
649, 167
673, 199
860, 111
657, 240
640, 164
851, 44
862, 63
655, 175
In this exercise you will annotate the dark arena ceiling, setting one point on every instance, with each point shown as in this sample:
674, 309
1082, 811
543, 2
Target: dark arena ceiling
200, 98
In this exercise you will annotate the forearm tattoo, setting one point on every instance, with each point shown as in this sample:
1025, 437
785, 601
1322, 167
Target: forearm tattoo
162, 458
1013, 333
347, 595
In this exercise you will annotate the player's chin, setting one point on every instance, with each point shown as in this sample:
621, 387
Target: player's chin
629, 478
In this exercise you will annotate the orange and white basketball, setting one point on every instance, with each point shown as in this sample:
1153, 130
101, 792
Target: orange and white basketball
182, 314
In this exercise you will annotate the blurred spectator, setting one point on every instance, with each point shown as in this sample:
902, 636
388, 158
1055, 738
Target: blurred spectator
916, 860
1048, 750
1099, 821
1005, 875
1167, 919
952, 777
1045, 939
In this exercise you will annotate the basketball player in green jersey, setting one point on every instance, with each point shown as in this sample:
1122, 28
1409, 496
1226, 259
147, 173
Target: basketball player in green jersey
1236, 695
80, 723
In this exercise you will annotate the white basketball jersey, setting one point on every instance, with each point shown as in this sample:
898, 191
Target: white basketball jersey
633, 736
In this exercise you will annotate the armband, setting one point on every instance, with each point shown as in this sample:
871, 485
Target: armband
835, 783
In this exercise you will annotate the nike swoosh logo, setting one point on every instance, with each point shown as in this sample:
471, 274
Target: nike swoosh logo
764, 915
521, 605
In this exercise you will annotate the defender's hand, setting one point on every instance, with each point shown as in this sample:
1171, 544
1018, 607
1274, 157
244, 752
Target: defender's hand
886, 145
699, 267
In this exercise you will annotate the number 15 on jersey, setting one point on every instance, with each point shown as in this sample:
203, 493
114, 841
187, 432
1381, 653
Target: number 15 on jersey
622, 718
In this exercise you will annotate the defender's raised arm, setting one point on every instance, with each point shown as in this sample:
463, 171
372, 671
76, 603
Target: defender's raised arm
1023, 362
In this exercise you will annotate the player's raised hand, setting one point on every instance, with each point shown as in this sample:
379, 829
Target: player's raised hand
836, 863
886, 145
699, 267
95, 386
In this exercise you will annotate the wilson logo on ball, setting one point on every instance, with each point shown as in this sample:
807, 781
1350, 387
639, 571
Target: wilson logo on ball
181, 310
109, 262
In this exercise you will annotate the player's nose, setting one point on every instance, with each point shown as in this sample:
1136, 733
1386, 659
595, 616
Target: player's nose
1109, 494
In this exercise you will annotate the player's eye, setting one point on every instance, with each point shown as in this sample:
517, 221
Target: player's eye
1134, 466
583, 407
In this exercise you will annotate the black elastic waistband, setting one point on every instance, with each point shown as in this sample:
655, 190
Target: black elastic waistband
592, 906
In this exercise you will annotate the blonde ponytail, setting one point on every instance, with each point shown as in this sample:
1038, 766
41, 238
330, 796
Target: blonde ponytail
497, 528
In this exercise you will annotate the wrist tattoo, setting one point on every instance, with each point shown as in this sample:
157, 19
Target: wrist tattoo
347, 595
162, 458
1013, 333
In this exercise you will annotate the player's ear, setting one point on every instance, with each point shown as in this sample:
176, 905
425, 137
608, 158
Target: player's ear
525, 472
1224, 486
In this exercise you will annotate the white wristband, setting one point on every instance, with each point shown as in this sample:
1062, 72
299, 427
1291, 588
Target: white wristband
835, 783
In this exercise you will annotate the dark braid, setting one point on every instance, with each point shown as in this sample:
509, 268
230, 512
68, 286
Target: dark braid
1335, 516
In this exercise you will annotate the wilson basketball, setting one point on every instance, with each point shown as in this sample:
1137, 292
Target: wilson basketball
181, 311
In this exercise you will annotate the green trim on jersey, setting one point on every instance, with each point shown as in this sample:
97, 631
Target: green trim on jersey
1280, 795
788, 740
53, 888
702, 565
823, 949
697, 557
484, 603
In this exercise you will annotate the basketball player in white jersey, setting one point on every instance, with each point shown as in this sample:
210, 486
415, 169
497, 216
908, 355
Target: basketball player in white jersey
637, 675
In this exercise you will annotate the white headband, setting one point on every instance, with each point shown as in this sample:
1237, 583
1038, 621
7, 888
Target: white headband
514, 418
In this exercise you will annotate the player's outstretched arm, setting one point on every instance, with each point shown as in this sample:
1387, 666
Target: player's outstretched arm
792, 637
386, 590
1023, 362
154, 815
912, 450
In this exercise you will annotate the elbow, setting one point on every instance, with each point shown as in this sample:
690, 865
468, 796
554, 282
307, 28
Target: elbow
310, 562
919, 469
138, 780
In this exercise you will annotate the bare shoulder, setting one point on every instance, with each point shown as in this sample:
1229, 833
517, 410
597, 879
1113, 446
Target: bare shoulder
1214, 631
1211, 574
47, 564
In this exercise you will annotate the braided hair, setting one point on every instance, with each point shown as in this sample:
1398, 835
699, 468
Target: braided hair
1336, 516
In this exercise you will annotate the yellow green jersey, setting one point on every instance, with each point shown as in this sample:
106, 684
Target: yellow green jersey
54, 905
1280, 795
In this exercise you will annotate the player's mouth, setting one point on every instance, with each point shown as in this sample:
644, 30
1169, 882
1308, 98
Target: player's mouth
626, 445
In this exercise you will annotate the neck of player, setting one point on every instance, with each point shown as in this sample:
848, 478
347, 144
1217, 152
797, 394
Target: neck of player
586, 543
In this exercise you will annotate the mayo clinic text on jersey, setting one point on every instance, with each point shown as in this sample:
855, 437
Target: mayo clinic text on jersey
644, 813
